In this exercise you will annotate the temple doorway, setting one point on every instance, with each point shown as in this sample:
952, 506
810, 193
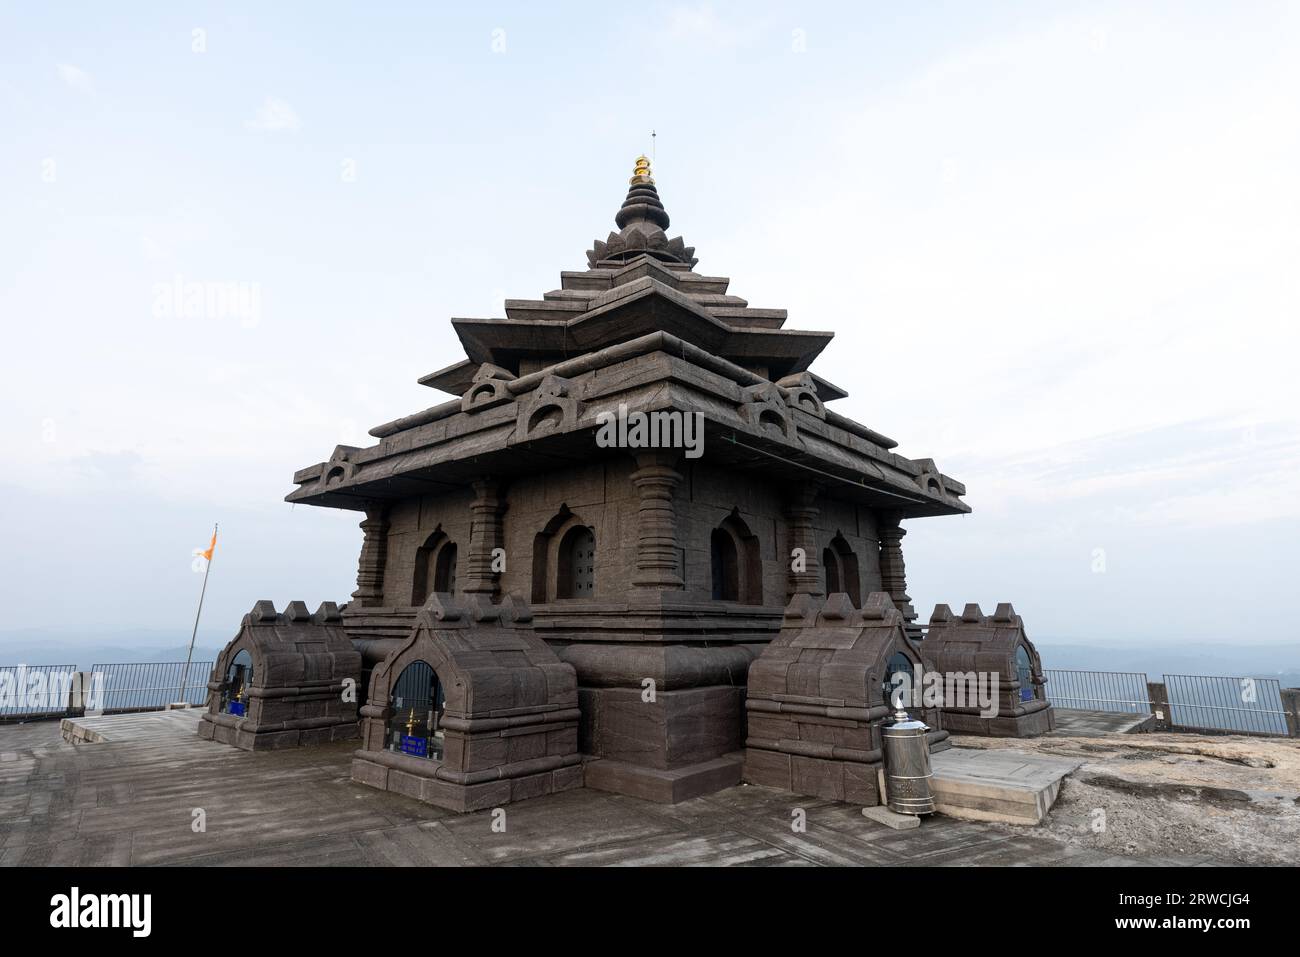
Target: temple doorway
418, 703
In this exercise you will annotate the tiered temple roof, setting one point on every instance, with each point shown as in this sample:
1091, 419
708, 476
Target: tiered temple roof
639, 326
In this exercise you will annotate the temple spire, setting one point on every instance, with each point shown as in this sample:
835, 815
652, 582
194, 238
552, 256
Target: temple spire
642, 201
641, 221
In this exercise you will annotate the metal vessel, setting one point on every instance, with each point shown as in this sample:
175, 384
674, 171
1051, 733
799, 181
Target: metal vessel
907, 765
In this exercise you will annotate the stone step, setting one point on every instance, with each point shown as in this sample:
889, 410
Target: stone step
1013, 787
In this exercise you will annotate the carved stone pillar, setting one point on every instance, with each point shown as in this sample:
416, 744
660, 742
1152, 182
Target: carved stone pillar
484, 537
893, 573
374, 555
800, 511
656, 479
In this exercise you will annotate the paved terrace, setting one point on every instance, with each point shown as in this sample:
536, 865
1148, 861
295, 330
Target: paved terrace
128, 800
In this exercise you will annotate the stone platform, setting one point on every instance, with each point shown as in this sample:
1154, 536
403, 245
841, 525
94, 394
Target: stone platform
1012, 787
130, 798
1072, 722
158, 726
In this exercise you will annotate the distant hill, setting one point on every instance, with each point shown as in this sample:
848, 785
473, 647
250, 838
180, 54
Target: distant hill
1281, 661
39, 647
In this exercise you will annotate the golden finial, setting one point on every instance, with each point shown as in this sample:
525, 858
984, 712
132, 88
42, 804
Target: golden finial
642, 172
410, 723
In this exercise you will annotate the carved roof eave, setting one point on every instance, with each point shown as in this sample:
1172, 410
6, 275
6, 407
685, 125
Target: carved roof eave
643, 306
456, 379
453, 379
451, 449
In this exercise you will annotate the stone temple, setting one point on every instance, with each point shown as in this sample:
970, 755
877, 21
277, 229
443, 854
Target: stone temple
636, 551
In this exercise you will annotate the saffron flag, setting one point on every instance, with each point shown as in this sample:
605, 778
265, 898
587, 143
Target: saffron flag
212, 547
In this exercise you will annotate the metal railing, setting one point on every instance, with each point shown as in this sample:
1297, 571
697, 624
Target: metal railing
151, 685
1243, 705
1123, 692
35, 691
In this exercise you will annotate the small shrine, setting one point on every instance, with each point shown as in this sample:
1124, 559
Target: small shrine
820, 694
972, 648
287, 679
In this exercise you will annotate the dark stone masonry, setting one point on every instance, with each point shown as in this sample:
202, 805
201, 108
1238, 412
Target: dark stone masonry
540, 606
996, 644
284, 681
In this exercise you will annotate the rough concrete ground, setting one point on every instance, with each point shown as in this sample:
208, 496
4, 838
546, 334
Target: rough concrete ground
1169, 800
1232, 798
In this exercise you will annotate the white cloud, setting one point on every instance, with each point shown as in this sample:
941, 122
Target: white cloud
275, 116
77, 79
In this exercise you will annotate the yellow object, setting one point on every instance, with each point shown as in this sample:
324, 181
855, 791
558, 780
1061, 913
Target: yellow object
212, 547
410, 723
642, 172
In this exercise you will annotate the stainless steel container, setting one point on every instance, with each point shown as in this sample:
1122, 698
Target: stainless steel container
907, 766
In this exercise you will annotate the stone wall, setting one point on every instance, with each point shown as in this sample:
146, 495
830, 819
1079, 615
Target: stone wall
603, 496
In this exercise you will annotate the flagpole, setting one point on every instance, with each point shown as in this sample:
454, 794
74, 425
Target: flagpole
189, 655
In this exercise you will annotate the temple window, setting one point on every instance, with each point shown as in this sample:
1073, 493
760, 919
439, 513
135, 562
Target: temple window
239, 676
564, 559
1025, 674
576, 572
725, 566
435, 568
735, 567
898, 671
444, 577
831, 564
841, 566
418, 704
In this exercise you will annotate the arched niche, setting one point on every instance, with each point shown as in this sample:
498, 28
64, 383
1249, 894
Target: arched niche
900, 672
564, 559
435, 568
1029, 691
724, 566
735, 565
842, 572
234, 690
418, 702
831, 571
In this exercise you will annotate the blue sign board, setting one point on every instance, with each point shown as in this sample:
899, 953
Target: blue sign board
416, 746
237, 708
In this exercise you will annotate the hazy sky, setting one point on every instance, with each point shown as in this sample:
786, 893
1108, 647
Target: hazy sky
1058, 245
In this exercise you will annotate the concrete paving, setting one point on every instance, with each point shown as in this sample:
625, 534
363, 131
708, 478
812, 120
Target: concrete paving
1072, 722
135, 796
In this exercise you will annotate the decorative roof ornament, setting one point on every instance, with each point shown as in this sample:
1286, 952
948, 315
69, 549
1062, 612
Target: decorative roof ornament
641, 220
641, 174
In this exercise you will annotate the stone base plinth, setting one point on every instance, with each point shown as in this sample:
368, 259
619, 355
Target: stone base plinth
1003, 726
661, 785
674, 730
416, 778
228, 729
